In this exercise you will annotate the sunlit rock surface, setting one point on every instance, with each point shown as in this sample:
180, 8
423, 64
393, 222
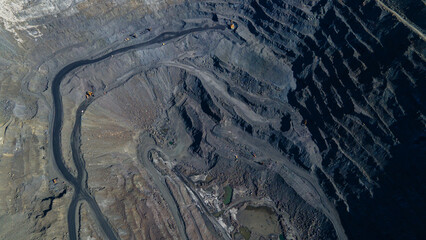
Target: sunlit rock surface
306, 121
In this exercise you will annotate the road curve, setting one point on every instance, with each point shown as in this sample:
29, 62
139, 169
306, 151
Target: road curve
145, 146
79, 182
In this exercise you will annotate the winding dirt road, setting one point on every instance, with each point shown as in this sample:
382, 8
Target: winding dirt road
79, 182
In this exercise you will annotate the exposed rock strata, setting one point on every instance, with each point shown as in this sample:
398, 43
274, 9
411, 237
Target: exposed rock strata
313, 110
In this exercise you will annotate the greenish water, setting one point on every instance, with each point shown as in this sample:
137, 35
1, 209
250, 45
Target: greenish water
228, 195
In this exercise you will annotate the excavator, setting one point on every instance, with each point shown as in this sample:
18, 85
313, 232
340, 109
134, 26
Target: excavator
89, 94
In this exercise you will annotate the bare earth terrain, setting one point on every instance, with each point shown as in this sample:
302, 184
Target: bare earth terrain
260, 119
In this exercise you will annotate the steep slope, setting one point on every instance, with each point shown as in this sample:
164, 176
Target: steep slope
305, 121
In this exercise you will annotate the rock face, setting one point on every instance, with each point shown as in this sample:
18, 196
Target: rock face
305, 120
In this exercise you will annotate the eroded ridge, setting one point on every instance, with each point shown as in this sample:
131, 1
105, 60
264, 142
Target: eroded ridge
255, 119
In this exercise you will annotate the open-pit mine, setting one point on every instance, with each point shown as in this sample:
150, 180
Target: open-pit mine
196, 119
